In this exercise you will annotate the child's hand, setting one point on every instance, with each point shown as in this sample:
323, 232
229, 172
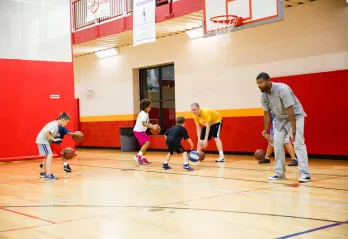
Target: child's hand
191, 146
56, 140
269, 139
263, 133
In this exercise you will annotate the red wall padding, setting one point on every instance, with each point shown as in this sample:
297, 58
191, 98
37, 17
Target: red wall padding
324, 99
25, 104
103, 134
323, 96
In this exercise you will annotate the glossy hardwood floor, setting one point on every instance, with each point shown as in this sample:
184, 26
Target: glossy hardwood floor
109, 196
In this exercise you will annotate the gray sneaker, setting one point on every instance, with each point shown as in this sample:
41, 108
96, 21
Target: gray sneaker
304, 179
276, 177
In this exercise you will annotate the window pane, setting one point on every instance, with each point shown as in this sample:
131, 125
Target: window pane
143, 84
153, 90
154, 114
168, 83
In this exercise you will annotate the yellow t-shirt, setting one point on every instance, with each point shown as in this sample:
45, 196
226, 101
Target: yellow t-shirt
207, 115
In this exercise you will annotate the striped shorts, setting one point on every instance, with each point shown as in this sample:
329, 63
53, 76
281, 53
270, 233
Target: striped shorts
44, 149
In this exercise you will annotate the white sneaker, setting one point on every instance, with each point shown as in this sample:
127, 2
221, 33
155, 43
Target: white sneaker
220, 160
276, 177
304, 179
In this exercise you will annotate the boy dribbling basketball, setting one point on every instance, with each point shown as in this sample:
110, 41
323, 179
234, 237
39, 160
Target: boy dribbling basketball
49, 133
56, 146
173, 140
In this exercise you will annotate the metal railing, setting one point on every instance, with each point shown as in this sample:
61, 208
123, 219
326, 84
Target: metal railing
119, 9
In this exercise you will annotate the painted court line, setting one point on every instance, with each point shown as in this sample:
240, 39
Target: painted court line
27, 215
313, 230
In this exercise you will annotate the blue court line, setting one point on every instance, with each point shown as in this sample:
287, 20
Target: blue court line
313, 230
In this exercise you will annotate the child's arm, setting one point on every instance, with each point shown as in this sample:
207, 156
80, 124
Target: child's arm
72, 133
190, 142
50, 137
148, 125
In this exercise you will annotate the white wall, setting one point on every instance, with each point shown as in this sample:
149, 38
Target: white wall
312, 38
35, 30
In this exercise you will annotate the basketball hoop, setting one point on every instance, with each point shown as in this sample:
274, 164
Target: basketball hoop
228, 22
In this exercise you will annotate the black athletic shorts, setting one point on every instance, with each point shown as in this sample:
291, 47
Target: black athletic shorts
214, 131
175, 147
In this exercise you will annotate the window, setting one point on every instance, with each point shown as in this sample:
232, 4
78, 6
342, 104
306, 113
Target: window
158, 85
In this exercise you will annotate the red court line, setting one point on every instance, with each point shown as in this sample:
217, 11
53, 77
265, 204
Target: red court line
27, 215
135, 208
22, 228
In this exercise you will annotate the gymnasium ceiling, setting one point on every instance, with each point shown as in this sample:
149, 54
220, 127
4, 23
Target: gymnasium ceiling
163, 29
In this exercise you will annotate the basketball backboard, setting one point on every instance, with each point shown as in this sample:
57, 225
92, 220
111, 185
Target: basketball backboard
251, 12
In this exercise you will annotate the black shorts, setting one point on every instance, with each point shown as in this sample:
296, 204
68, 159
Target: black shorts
175, 147
214, 131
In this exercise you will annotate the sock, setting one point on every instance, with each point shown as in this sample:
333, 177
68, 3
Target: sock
267, 158
140, 153
294, 159
221, 154
186, 163
65, 163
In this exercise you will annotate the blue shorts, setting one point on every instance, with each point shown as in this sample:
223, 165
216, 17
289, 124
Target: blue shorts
44, 149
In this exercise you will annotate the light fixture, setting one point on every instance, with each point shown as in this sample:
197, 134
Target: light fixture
195, 33
107, 53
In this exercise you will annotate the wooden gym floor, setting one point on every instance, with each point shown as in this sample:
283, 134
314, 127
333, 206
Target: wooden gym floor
109, 196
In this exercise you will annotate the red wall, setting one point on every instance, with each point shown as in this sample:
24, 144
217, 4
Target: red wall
25, 104
321, 94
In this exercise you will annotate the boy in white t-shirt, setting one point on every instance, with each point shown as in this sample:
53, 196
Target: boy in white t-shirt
140, 128
47, 134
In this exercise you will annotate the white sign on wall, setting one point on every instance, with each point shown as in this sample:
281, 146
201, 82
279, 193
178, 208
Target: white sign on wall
144, 21
97, 9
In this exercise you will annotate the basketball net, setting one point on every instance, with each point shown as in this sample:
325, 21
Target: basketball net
223, 33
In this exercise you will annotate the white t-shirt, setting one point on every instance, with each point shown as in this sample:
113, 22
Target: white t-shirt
52, 127
142, 117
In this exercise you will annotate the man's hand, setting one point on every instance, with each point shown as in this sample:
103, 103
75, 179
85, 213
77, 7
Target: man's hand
56, 139
204, 143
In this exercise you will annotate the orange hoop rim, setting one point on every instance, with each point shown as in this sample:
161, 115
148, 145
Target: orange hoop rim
227, 20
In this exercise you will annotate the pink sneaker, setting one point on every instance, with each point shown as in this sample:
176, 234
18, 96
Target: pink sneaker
144, 161
138, 159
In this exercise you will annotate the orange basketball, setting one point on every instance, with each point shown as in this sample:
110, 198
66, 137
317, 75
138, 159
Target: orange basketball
79, 137
260, 154
201, 156
68, 153
155, 132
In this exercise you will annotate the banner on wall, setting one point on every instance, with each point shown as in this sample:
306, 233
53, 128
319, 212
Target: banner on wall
97, 9
144, 21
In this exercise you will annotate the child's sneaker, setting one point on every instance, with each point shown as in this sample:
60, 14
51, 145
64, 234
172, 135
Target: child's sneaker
42, 175
51, 177
137, 158
264, 161
293, 162
41, 165
188, 167
144, 161
220, 160
166, 166
67, 168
